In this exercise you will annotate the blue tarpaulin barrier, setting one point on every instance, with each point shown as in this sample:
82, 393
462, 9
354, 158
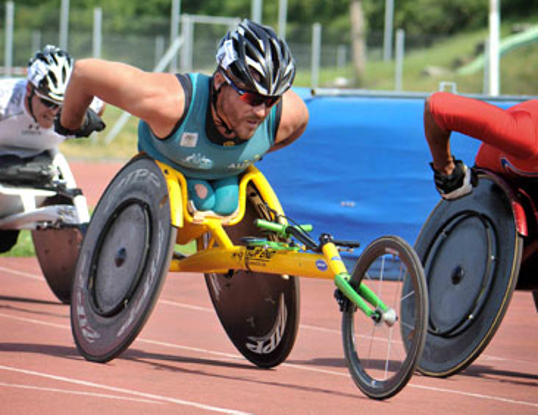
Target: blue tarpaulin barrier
361, 170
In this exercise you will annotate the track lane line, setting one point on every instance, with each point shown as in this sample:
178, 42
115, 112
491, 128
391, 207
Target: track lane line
22, 274
167, 399
72, 392
300, 367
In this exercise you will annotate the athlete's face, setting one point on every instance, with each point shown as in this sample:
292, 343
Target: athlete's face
44, 111
243, 111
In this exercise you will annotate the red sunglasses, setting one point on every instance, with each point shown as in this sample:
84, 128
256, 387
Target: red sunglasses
252, 98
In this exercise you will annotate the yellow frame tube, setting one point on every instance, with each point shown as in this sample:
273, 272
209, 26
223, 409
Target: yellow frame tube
222, 255
256, 259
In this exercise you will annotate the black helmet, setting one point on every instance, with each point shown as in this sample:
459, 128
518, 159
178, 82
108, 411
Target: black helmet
49, 71
254, 56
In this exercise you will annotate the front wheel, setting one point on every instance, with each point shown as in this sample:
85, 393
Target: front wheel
382, 352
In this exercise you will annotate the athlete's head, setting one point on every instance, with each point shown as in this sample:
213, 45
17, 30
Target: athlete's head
254, 59
49, 71
48, 74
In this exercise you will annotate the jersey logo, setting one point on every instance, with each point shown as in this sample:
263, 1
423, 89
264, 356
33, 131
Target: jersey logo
239, 165
510, 168
189, 140
198, 161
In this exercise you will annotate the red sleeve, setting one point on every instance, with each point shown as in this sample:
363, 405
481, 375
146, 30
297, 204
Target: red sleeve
513, 131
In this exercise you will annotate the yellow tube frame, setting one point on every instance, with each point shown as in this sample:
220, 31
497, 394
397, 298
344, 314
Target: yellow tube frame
221, 255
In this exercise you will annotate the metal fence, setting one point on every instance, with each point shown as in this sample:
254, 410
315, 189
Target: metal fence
323, 56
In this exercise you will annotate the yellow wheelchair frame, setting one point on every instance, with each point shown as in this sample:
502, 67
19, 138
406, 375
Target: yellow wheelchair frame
220, 255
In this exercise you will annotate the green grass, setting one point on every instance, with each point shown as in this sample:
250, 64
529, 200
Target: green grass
424, 69
23, 248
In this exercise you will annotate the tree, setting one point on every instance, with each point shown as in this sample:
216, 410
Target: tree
358, 39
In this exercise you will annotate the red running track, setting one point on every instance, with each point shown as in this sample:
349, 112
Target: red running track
183, 363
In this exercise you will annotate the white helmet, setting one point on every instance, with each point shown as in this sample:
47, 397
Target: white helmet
49, 71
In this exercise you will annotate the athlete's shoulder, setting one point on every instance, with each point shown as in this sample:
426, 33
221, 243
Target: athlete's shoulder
12, 91
530, 105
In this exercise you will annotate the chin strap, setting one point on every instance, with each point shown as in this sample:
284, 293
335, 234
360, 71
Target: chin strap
220, 121
30, 96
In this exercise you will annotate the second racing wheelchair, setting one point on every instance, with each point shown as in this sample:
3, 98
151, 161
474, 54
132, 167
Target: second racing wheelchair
40, 194
476, 251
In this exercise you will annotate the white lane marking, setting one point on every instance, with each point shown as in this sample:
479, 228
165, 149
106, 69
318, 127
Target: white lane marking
208, 309
299, 367
30, 320
183, 305
72, 392
123, 390
192, 349
322, 329
21, 273
475, 395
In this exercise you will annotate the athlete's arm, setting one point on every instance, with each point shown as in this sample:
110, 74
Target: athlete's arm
156, 98
438, 140
293, 121
513, 131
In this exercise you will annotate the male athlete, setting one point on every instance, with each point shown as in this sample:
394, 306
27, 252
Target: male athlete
210, 128
509, 139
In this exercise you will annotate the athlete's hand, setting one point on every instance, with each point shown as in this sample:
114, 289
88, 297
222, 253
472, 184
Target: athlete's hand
457, 184
92, 122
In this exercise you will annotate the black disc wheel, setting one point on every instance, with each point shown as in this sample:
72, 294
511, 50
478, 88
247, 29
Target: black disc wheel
124, 259
382, 351
259, 312
471, 252
57, 251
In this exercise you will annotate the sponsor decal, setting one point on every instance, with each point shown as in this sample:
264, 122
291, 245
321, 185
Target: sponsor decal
239, 165
321, 265
257, 255
510, 168
88, 332
226, 54
268, 343
189, 140
197, 160
141, 175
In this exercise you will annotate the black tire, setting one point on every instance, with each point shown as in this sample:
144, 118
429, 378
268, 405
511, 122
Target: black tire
8, 239
258, 311
471, 252
390, 267
57, 253
124, 259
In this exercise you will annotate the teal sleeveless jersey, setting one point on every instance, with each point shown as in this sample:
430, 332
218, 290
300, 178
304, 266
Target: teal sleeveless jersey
189, 150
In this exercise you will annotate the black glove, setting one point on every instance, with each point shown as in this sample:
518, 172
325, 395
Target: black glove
92, 122
457, 184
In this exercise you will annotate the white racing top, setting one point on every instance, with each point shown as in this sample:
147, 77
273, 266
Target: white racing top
19, 133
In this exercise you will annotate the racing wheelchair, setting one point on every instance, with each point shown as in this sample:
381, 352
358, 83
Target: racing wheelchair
475, 251
40, 194
250, 260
